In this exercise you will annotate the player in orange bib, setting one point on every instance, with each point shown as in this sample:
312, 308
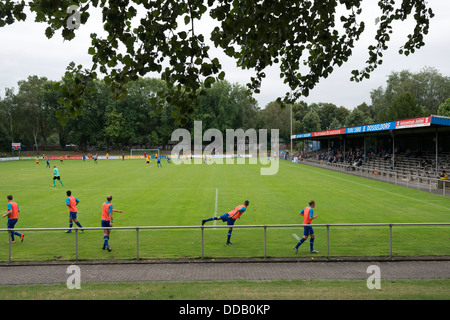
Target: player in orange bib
308, 216
107, 221
71, 203
230, 218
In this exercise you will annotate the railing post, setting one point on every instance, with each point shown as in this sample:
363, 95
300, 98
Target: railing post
265, 241
390, 241
202, 244
328, 241
9, 245
137, 243
76, 244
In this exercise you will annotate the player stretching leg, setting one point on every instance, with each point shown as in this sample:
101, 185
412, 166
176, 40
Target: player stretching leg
72, 203
230, 218
308, 216
107, 221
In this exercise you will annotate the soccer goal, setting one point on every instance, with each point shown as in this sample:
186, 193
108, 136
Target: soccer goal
140, 153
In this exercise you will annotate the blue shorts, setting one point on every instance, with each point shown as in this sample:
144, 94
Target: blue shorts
106, 224
226, 218
11, 223
72, 215
308, 231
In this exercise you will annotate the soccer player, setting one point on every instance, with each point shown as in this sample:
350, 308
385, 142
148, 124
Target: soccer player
148, 160
13, 216
37, 162
308, 216
72, 203
48, 163
61, 160
230, 218
107, 221
56, 176
158, 163
107, 156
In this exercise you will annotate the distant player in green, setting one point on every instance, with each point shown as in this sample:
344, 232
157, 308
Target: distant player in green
56, 176
308, 216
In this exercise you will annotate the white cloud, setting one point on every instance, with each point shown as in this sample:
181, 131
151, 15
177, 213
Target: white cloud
26, 51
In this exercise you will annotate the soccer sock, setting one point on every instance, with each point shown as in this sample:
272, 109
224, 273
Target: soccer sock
61, 183
53, 182
70, 224
105, 243
300, 242
78, 224
210, 219
229, 236
311, 244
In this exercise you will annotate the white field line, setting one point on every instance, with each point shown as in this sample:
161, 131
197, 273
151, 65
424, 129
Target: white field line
367, 186
215, 208
296, 236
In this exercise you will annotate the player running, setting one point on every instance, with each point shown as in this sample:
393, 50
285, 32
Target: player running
13, 216
158, 163
72, 203
148, 160
308, 216
230, 218
56, 176
107, 221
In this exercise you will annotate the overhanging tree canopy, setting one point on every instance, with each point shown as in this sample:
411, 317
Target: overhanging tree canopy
306, 38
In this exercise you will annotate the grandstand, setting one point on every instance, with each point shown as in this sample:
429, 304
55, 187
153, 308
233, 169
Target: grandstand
414, 149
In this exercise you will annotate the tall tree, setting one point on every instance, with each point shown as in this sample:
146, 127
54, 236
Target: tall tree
405, 106
444, 109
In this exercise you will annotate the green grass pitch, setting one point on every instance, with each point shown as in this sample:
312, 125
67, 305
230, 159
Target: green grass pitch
183, 195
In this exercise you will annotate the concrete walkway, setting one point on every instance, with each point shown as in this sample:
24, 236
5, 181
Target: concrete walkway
129, 271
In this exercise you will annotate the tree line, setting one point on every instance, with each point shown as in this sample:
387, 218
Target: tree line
32, 115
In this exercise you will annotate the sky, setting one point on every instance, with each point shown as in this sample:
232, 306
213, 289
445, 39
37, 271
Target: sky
25, 51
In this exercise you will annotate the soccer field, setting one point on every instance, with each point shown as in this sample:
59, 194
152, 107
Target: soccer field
183, 195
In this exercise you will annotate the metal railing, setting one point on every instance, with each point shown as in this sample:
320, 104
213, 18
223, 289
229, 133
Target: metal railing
432, 185
202, 229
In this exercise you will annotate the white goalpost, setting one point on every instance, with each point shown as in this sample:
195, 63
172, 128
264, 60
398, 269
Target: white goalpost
140, 153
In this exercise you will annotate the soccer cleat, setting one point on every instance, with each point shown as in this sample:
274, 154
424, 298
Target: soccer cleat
203, 222
109, 249
314, 251
295, 249
229, 243
21, 237
68, 231
13, 241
